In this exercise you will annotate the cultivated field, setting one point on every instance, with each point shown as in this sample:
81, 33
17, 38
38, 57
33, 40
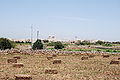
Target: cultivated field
71, 67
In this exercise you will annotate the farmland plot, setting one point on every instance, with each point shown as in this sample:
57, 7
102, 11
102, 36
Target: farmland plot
71, 67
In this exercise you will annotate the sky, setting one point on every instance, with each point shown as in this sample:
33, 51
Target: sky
64, 19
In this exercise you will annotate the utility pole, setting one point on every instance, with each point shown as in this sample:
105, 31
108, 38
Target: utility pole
37, 35
31, 35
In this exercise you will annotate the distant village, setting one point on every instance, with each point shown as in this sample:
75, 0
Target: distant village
54, 39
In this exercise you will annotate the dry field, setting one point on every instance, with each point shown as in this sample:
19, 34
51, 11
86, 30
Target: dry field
70, 68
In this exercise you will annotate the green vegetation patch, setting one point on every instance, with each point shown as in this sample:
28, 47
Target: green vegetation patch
103, 50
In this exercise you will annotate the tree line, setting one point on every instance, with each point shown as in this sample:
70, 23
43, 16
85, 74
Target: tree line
39, 44
8, 44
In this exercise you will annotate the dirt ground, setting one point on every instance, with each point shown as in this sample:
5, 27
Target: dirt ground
71, 68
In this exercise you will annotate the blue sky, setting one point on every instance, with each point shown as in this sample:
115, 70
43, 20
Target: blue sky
86, 19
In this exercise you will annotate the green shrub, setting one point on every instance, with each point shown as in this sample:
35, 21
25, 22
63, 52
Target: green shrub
58, 45
99, 50
99, 42
37, 45
83, 42
107, 44
114, 50
6, 44
51, 44
109, 50
45, 41
65, 44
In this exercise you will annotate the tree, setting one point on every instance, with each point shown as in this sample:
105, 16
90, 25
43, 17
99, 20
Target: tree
78, 42
58, 45
6, 44
107, 44
45, 41
83, 42
99, 42
37, 45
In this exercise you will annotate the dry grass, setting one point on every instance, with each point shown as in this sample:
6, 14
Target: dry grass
71, 68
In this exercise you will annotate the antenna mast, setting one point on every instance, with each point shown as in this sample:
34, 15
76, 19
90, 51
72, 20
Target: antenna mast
31, 35
37, 35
